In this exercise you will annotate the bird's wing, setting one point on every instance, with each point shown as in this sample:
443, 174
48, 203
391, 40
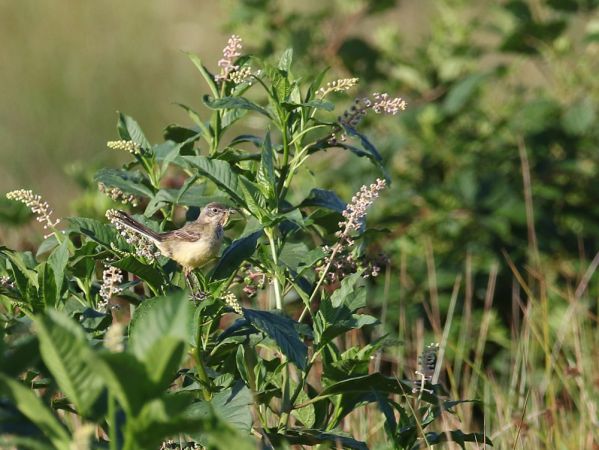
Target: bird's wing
186, 234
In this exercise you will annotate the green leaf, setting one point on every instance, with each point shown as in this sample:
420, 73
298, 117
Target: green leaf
158, 318
461, 93
161, 418
308, 437
324, 199
48, 290
375, 382
265, 177
231, 406
235, 103
580, 117
66, 352
457, 436
58, 260
231, 259
282, 330
204, 72
220, 172
350, 293
30, 405
127, 181
147, 273
286, 60
127, 379
130, 130
100, 232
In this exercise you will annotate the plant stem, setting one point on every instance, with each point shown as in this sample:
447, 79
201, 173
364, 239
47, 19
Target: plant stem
112, 431
320, 281
278, 299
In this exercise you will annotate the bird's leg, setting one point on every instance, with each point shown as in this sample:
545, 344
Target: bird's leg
194, 285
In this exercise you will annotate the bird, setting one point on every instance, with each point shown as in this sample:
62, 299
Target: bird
192, 245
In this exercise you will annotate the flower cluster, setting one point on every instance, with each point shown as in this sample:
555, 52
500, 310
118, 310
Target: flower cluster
6, 282
253, 280
172, 445
352, 116
428, 363
143, 247
34, 202
117, 195
383, 104
112, 277
127, 146
231, 300
343, 84
230, 52
339, 261
355, 211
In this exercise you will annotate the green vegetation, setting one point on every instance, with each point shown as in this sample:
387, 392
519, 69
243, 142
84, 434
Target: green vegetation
313, 329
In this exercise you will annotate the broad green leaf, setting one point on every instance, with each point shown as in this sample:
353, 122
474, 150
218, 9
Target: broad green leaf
48, 291
25, 279
265, 177
66, 352
58, 260
130, 182
160, 317
219, 172
324, 199
30, 405
282, 330
231, 405
234, 255
147, 273
163, 417
286, 60
130, 130
310, 437
351, 293
460, 93
127, 379
457, 436
580, 117
101, 232
235, 103
370, 383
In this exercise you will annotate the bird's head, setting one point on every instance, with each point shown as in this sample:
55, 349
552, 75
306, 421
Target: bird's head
215, 213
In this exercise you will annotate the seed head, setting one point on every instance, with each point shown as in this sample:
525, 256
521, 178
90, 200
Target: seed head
231, 300
343, 84
383, 104
111, 278
34, 202
127, 146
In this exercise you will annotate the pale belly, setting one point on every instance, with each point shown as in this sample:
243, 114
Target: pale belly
193, 254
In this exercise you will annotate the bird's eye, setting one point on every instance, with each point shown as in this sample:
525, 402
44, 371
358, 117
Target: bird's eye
215, 210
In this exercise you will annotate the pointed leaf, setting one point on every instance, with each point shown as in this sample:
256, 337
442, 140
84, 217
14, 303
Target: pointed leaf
282, 330
130, 130
235, 103
234, 255
66, 352
30, 405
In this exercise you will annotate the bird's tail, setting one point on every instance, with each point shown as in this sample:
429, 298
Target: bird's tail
127, 221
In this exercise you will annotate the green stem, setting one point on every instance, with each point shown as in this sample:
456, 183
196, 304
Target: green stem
320, 281
112, 431
278, 298
201, 370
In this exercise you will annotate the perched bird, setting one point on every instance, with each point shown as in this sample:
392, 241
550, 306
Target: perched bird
191, 246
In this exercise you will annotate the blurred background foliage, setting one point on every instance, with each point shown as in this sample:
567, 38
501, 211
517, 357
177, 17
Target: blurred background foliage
493, 164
